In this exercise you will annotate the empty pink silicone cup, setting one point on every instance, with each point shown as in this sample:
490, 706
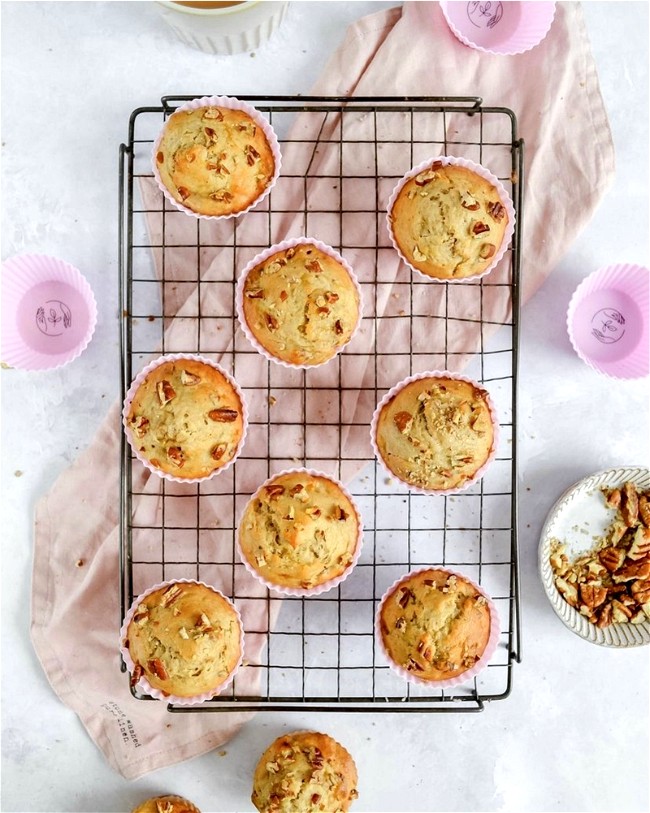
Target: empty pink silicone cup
49, 312
499, 28
608, 321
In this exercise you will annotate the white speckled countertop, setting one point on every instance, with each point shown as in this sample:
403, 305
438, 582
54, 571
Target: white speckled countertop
573, 735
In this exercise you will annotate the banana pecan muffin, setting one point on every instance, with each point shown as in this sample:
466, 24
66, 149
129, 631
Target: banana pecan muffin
434, 624
166, 804
300, 531
184, 638
300, 304
448, 221
305, 772
214, 160
185, 418
435, 432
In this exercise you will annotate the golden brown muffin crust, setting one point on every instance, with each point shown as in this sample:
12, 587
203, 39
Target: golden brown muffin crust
166, 804
300, 531
435, 624
301, 305
214, 160
435, 433
449, 222
305, 772
186, 418
185, 639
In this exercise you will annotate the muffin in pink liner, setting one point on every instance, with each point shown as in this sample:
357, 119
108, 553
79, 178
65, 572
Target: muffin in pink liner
185, 418
49, 312
166, 804
608, 321
435, 431
216, 157
299, 303
182, 641
300, 534
506, 28
436, 626
451, 220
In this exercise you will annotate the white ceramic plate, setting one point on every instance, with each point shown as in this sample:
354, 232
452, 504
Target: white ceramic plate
576, 518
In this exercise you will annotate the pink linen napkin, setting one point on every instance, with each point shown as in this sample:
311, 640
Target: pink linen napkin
409, 51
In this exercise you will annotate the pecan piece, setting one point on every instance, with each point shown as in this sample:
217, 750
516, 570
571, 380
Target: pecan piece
486, 251
629, 504
620, 613
403, 421
218, 452
331, 297
175, 454
183, 192
468, 202
406, 595
296, 489
604, 616
223, 415
165, 392
140, 425
637, 570
271, 322
479, 228
496, 211
340, 514
141, 615
251, 154
641, 590
213, 113
568, 591
611, 558
425, 177
255, 294
593, 595
644, 510
137, 673
274, 491
338, 328
170, 595
613, 498
157, 668
189, 379
314, 266
210, 132
160, 157
204, 624
640, 546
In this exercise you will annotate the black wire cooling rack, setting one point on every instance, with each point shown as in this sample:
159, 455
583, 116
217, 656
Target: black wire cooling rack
320, 653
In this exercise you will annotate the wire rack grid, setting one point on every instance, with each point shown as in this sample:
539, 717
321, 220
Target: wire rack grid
320, 653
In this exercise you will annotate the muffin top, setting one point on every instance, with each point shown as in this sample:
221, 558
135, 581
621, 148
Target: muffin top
184, 638
299, 531
186, 418
448, 221
301, 305
166, 804
435, 625
435, 433
214, 160
305, 772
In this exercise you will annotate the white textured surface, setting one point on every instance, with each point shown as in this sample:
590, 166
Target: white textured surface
574, 733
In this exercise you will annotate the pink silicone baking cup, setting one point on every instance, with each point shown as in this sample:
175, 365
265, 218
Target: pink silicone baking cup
504, 198
608, 321
320, 588
131, 394
143, 684
49, 312
493, 640
264, 255
502, 28
230, 103
435, 374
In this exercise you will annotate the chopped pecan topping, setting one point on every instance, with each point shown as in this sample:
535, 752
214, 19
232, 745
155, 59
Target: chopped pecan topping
289, 253
496, 211
223, 415
251, 154
331, 297
213, 113
338, 328
137, 673
423, 178
468, 202
157, 668
283, 296
223, 196
406, 595
175, 454
164, 806
204, 624
400, 624
479, 228
296, 489
218, 451
189, 379
640, 546
170, 595
274, 491
141, 615
403, 421
183, 192
140, 425
255, 294
314, 266
271, 322
160, 157
486, 251
340, 514
165, 392
210, 132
